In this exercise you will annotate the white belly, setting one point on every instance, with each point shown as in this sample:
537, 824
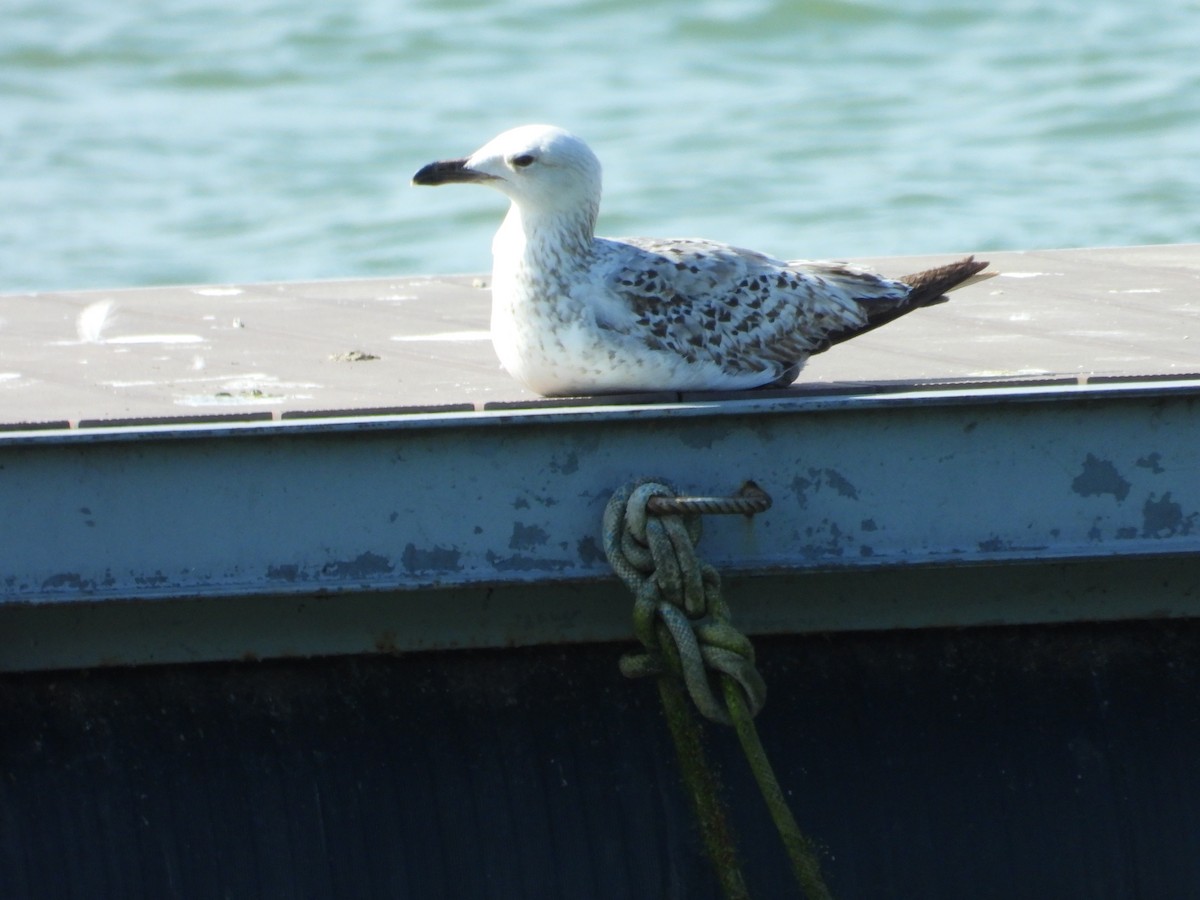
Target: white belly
555, 352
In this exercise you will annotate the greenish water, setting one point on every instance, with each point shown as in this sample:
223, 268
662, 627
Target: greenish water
149, 143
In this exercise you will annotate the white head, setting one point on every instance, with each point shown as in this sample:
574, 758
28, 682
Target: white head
542, 169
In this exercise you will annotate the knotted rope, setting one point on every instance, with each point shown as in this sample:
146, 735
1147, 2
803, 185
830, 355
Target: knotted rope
683, 624
656, 558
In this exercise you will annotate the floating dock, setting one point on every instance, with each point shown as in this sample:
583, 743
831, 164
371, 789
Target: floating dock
234, 514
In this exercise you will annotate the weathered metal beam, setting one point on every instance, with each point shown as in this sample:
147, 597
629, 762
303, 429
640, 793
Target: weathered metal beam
930, 478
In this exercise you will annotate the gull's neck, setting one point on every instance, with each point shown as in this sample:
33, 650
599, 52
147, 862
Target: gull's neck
559, 238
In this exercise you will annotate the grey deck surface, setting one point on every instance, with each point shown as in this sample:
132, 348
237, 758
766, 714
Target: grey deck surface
304, 349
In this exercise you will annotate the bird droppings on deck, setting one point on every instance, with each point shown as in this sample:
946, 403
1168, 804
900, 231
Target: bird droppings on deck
90, 322
218, 291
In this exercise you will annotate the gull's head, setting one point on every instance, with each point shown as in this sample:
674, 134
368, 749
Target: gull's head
541, 168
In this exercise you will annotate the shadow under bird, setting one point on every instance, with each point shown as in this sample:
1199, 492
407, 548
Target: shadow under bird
576, 314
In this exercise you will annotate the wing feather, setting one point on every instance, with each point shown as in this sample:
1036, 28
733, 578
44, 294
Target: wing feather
742, 310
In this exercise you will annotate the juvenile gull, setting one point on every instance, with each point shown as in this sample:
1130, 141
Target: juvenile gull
576, 314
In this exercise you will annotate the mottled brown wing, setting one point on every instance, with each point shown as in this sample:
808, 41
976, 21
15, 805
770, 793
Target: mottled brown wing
702, 300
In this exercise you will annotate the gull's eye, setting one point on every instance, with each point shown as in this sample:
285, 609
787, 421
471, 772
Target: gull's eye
525, 159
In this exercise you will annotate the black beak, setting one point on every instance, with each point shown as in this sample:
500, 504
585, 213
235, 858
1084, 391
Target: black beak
448, 171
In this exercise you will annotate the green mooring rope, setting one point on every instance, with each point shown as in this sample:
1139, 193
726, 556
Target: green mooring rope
684, 626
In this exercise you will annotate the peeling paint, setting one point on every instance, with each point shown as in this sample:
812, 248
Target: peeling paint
67, 580
1100, 476
519, 563
841, 484
1164, 518
362, 566
800, 486
817, 478
433, 559
287, 572
703, 438
834, 546
998, 544
1151, 461
568, 466
527, 502
527, 537
589, 551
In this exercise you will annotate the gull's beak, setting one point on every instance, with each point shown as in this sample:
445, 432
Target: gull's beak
448, 171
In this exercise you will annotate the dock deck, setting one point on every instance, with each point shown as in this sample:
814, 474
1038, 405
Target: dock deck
413, 345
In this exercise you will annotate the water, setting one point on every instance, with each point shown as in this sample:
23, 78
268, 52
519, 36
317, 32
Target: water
145, 143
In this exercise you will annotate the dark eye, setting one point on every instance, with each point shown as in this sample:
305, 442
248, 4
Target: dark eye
524, 160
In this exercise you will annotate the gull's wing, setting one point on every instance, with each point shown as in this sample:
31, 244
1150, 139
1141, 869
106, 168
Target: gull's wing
744, 311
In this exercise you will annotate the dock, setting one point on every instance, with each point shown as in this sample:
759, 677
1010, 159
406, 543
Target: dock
405, 346
302, 560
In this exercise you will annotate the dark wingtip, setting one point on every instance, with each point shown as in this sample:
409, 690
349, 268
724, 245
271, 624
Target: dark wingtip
930, 286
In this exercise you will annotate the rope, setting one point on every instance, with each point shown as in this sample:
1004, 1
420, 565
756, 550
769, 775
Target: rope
703, 787
655, 557
683, 624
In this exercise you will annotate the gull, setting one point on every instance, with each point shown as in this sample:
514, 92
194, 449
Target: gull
577, 314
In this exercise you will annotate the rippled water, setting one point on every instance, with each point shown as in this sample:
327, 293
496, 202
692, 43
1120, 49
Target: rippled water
211, 142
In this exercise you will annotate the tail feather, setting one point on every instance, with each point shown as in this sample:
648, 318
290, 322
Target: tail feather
928, 287
931, 285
